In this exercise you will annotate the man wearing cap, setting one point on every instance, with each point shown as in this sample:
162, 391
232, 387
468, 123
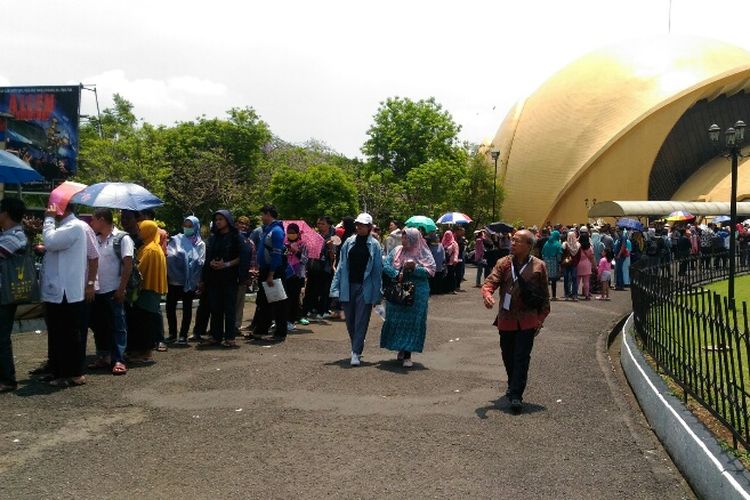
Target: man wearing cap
357, 281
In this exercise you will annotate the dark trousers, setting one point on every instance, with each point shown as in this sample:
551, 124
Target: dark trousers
222, 301
516, 348
202, 316
64, 332
450, 279
7, 366
317, 292
619, 277
293, 291
175, 293
268, 312
460, 271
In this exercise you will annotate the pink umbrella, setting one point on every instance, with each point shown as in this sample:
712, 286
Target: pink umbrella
61, 195
313, 241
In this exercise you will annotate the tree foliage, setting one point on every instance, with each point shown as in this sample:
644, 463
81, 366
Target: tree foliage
319, 190
406, 134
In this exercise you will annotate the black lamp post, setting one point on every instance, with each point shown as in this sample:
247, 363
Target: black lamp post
734, 137
495, 153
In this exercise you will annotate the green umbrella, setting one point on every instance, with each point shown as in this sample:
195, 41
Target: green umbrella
421, 221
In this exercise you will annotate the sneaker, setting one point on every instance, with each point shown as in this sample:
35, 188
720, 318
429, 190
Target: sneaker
325, 315
516, 406
290, 326
407, 363
355, 360
195, 338
170, 340
183, 341
304, 321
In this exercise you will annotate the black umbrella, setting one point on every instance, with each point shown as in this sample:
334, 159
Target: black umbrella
499, 227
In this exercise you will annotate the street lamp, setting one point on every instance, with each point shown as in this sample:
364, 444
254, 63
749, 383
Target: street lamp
495, 153
733, 139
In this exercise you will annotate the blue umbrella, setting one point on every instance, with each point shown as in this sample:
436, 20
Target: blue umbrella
122, 195
14, 170
626, 223
721, 218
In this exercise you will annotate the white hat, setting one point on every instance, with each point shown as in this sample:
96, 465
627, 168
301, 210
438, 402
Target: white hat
364, 218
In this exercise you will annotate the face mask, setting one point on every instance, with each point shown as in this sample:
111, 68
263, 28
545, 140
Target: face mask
188, 231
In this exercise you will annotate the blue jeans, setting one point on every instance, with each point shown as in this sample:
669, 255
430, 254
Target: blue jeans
109, 326
570, 278
7, 366
357, 317
480, 273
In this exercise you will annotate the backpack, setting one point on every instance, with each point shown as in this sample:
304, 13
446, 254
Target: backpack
134, 282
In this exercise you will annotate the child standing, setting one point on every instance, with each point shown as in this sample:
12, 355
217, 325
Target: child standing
605, 274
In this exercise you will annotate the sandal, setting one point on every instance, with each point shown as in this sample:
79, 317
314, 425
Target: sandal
162, 347
230, 344
99, 364
77, 381
119, 369
59, 382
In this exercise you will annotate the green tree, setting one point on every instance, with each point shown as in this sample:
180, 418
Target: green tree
407, 133
319, 190
434, 187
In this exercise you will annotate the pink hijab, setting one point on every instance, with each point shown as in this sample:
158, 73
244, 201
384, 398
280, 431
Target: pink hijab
416, 249
448, 239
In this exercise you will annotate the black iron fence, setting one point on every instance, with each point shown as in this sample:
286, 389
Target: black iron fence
695, 337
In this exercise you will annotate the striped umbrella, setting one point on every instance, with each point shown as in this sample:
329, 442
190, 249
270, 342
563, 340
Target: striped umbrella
454, 218
679, 216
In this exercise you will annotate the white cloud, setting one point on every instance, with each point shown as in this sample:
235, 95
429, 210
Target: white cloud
159, 100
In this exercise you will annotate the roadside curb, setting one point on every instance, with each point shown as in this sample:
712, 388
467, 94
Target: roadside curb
711, 472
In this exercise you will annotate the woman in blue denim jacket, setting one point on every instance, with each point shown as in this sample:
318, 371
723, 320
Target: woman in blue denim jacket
358, 281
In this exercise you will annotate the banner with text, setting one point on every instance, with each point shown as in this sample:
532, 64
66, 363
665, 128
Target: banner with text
40, 125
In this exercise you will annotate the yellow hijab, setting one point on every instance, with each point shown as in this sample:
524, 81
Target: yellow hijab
151, 260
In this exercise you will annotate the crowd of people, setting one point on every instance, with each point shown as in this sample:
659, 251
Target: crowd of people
96, 276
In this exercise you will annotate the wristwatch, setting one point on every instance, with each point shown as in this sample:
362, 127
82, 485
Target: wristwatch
89, 283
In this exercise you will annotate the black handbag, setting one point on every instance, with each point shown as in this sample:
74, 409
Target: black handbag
531, 295
19, 279
398, 292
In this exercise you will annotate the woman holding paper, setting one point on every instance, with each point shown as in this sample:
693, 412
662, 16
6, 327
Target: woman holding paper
357, 281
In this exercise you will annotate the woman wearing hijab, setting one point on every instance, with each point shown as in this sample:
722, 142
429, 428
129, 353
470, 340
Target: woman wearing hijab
153, 267
186, 254
569, 264
220, 277
358, 281
296, 257
552, 253
451, 259
405, 327
586, 264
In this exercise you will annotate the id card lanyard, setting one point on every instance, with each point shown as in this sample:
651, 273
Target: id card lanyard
506, 299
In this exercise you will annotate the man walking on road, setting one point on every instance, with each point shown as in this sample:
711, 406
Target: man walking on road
524, 304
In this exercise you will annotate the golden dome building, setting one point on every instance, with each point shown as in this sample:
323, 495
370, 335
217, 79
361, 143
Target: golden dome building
628, 122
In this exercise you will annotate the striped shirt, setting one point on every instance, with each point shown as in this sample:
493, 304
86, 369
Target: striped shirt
12, 240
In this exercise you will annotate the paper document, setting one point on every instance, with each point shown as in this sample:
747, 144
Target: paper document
276, 292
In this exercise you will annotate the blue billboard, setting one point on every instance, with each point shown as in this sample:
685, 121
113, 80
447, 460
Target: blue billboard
40, 126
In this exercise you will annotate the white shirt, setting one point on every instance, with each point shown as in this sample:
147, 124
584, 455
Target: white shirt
110, 267
64, 264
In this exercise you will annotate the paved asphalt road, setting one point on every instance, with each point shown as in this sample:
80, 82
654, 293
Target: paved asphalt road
296, 420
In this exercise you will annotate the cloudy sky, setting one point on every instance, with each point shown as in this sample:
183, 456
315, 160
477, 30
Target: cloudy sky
318, 69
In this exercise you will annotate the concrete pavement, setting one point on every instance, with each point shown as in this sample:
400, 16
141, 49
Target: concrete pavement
296, 420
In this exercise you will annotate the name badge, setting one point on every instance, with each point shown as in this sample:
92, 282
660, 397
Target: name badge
506, 302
